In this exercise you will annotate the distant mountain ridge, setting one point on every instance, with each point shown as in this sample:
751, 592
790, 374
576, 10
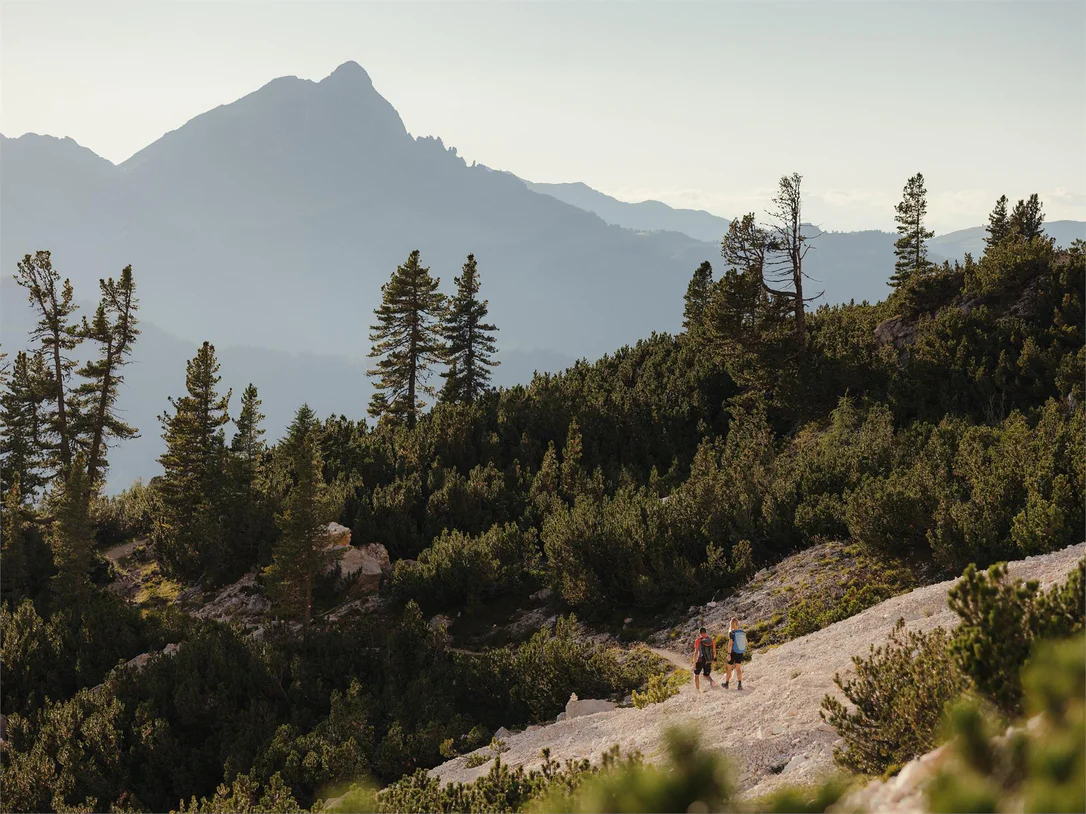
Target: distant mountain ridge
650, 216
645, 216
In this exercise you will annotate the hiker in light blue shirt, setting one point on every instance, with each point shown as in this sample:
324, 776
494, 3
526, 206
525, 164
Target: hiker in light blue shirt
737, 653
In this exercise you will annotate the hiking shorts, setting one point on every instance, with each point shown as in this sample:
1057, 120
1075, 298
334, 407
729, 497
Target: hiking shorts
702, 667
736, 658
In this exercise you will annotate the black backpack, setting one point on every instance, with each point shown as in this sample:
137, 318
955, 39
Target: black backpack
705, 649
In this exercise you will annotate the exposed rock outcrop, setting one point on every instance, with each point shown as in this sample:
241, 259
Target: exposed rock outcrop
361, 569
243, 602
140, 661
897, 331
576, 707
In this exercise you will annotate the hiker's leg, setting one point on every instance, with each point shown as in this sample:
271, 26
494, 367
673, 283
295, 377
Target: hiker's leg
739, 671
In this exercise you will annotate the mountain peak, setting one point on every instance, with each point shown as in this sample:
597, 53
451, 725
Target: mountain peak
349, 71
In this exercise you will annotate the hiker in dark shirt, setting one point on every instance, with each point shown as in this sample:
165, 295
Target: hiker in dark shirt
704, 656
737, 653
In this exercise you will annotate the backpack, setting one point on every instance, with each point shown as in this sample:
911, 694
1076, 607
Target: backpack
739, 641
705, 648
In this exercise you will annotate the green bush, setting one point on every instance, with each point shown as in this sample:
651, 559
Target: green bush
661, 687
1041, 767
635, 548
897, 698
124, 516
501, 789
1000, 621
244, 794
69, 650
694, 779
824, 462
68, 754
1009, 491
1010, 266
458, 569
891, 513
533, 681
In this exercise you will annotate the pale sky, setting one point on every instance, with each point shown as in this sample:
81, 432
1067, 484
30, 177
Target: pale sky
699, 105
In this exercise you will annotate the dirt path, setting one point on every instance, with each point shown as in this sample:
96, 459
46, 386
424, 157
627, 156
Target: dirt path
771, 729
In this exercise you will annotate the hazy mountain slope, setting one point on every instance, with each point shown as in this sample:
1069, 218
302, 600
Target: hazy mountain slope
848, 264
273, 222
646, 216
954, 245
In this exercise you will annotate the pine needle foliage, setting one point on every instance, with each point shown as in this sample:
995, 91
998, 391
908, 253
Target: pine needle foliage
406, 341
469, 340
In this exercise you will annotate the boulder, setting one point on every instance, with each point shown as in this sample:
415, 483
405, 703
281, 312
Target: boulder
577, 707
363, 567
239, 601
439, 621
339, 536
896, 331
141, 660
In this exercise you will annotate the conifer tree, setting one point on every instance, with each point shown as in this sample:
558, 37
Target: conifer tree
998, 225
911, 247
71, 535
469, 340
247, 450
787, 247
247, 443
301, 553
189, 534
406, 341
697, 298
546, 482
22, 426
57, 335
1027, 220
13, 561
573, 475
114, 329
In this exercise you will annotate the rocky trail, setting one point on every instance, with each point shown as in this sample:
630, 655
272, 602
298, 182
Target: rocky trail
771, 730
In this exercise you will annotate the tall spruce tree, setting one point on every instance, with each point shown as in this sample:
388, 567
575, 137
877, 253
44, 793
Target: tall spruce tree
57, 336
301, 554
71, 534
406, 341
573, 477
188, 535
114, 329
998, 224
247, 449
1027, 220
911, 247
469, 340
697, 297
22, 426
247, 443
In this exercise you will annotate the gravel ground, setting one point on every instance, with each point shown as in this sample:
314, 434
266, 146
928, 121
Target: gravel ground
771, 729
